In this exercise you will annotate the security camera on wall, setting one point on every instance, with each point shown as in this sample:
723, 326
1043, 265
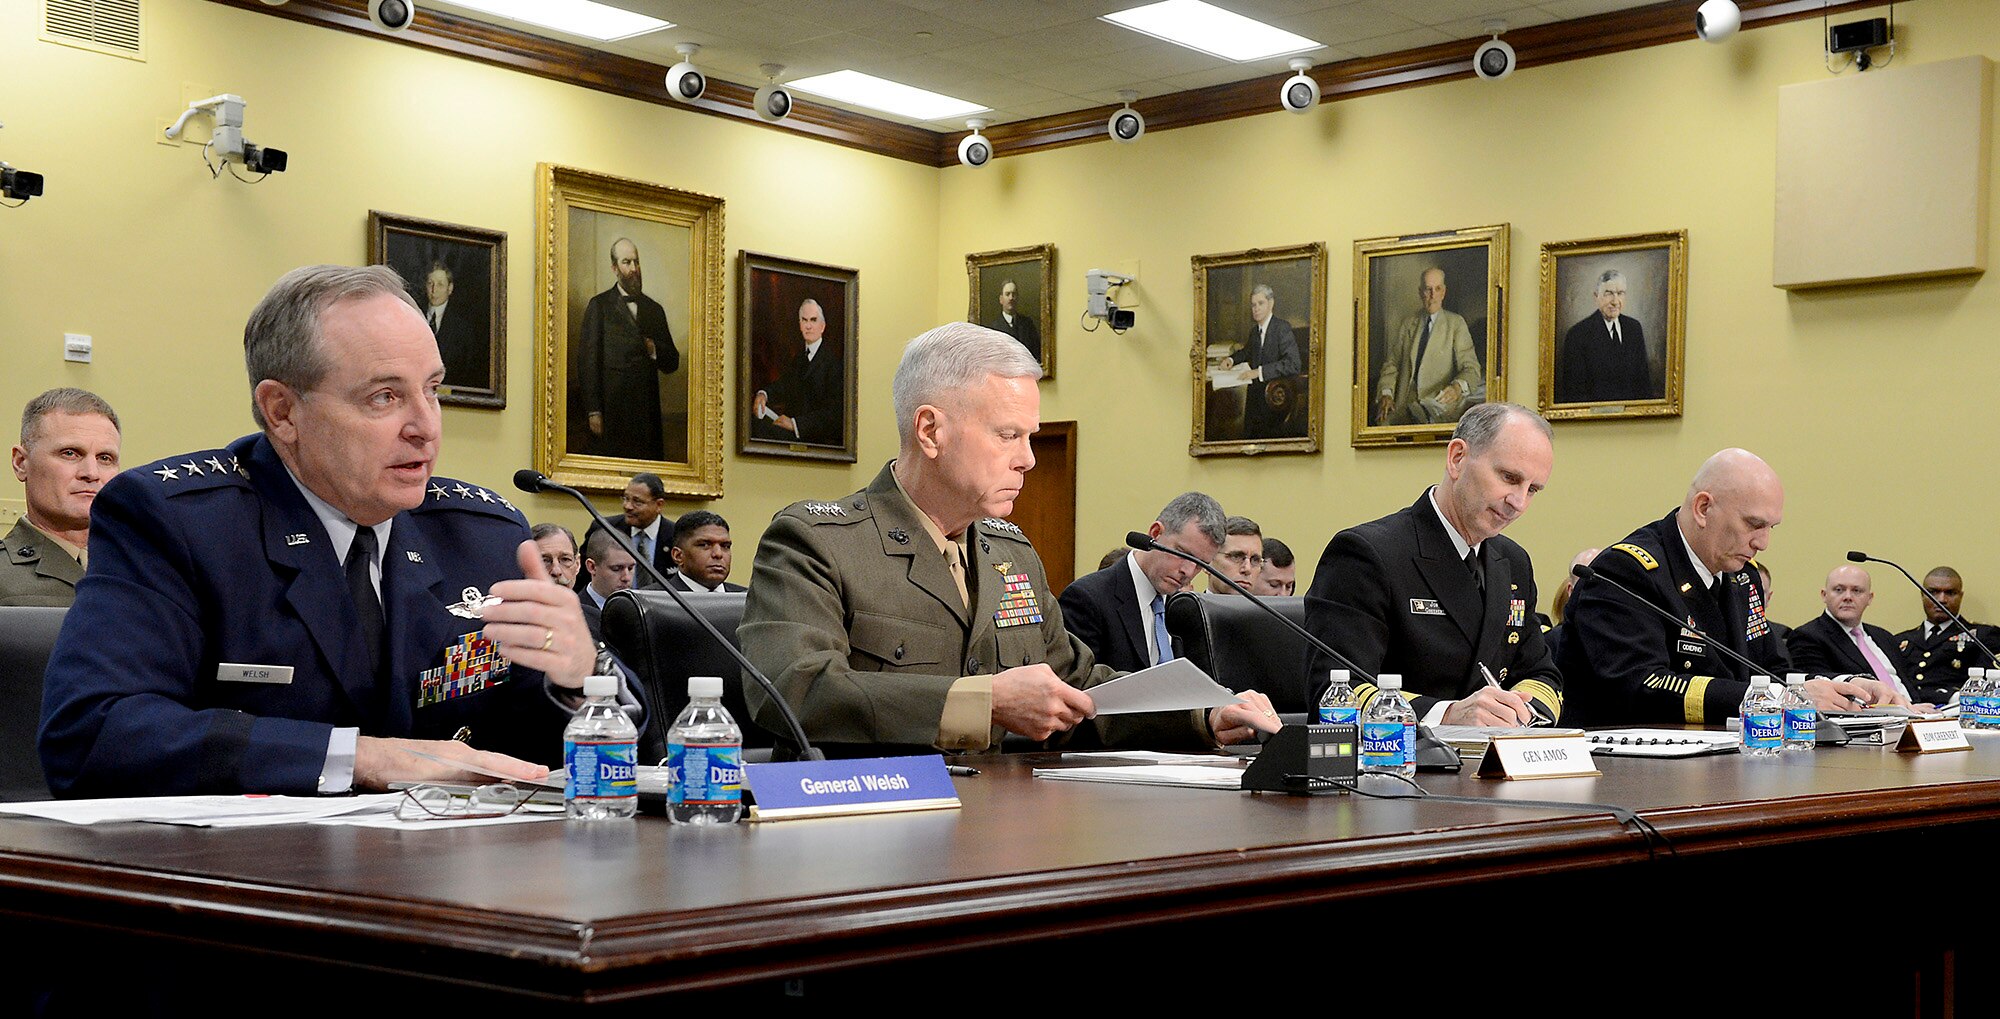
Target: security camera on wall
685, 82
975, 150
1300, 92
1494, 59
1127, 124
773, 102
391, 15
1716, 20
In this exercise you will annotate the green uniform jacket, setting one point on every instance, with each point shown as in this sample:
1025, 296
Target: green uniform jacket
35, 570
853, 614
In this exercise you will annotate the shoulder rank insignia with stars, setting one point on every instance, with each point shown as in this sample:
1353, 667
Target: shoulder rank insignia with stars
825, 509
1645, 558
1001, 525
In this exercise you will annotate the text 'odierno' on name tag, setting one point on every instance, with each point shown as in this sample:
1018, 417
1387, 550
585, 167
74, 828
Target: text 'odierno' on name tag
1937, 736
1523, 757
872, 785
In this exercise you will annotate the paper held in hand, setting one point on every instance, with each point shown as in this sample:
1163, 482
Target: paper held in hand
1169, 686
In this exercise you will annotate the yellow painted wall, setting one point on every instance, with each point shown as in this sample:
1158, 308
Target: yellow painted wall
137, 246
1855, 395
1858, 397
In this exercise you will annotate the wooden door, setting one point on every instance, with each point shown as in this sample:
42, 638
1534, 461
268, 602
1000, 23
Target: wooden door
1046, 509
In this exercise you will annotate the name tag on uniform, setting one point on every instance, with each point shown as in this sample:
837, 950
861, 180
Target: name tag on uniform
232, 672
1425, 607
1690, 647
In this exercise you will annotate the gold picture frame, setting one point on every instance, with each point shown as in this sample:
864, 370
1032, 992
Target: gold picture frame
1237, 410
1593, 369
809, 403
1406, 390
1032, 271
604, 352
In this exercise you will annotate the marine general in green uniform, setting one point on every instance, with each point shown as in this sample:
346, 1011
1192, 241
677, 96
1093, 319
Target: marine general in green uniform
911, 615
68, 450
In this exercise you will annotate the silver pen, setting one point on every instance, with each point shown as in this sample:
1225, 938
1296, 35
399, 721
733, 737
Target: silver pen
1541, 716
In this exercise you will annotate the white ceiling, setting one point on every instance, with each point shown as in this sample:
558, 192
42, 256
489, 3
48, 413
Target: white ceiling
1035, 58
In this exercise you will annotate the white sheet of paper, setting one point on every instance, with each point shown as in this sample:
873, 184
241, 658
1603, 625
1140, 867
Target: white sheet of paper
1169, 686
1198, 776
1149, 757
205, 811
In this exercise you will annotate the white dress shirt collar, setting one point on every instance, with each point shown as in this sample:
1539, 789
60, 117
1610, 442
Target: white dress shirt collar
1458, 541
1700, 570
1142, 587
340, 530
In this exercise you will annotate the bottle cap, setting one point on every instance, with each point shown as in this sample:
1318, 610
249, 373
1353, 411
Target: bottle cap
705, 686
1795, 679
600, 686
1759, 682
1339, 677
1975, 673
1388, 681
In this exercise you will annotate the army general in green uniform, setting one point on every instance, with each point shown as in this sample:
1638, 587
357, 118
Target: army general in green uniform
910, 615
68, 450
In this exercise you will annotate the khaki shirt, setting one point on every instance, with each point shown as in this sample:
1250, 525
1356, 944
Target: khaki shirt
36, 568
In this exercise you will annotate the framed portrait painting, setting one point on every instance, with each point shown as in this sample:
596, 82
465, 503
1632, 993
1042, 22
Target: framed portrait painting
795, 358
628, 332
1614, 327
458, 275
1014, 291
1430, 332
1259, 354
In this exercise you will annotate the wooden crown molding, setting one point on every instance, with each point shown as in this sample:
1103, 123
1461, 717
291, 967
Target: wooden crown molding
582, 66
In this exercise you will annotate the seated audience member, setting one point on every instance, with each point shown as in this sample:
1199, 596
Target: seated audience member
1434, 591
702, 554
1935, 654
373, 609
1631, 667
1120, 612
1552, 627
1779, 631
1112, 556
645, 523
1280, 576
1241, 556
559, 556
607, 569
911, 614
1837, 643
68, 450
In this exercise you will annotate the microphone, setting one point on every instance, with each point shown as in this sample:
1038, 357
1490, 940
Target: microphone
534, 481
1863, 557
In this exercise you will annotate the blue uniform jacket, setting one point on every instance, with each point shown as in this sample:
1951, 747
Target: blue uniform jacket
216, 558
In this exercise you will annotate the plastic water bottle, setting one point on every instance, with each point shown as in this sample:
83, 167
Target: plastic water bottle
1389, 730
704, 759
1801, 718
1763, 720
1339, 705
1975, 698
601, 753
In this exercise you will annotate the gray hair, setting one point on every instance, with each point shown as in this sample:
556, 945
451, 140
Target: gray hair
1242, 525
1196, 508
1607, 276
63, 400
1265, 289
945, 361
540, 531
281, 342
1481, 424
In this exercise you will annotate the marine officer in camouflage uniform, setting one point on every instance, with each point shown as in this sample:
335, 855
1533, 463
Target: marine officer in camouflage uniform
68, 450
910, 615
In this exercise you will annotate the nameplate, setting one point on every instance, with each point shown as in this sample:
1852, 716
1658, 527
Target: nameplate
871, 785
1537, 756
1942, 736
232, 672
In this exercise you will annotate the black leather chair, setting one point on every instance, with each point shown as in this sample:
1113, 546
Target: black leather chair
1242, 647
27, 635
665, 646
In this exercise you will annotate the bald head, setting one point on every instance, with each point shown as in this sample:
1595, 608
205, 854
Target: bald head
1731, 506
1847, 594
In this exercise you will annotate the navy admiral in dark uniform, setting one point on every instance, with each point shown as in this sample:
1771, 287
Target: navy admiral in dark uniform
1628, 666
276, 616
1434, 591
1936, 653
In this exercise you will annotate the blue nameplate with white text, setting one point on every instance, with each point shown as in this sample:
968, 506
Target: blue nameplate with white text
862, 786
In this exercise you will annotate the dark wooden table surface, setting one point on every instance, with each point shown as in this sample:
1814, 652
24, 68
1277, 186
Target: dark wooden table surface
1027, 872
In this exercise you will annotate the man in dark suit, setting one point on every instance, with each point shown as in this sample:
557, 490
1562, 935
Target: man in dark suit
301, 608
1272, 354
1837, 643
703, 553
1434, 591
1119, 612
803, 404
1013, 323
621, 351
1604, 356
1936, 653
645, 524
1628, 666
467, 355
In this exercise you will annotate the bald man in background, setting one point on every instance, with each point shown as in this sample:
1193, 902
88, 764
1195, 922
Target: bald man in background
1837, 643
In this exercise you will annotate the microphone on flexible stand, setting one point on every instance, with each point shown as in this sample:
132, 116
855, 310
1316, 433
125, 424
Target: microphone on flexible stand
533, 481
1432, 753
1863, 557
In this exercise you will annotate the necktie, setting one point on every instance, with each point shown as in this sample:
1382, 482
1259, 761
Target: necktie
360, 587
644, 545
1163, 645
437, 320
1881, 668
1478, 571
954, 560
1423, 343
1615, 338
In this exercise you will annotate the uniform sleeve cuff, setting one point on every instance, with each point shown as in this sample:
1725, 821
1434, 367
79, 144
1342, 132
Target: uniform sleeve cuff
967, 723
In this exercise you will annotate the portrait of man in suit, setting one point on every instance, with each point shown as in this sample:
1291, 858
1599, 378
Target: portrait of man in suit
465, 350
1015, 321
1613, 326
455, 275
1260, 317
618, 355
1431, 373
803, 404
1432, 333
1011, 292
1604, 357
796, 348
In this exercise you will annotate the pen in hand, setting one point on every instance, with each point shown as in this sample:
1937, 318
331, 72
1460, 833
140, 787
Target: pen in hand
1541, 716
